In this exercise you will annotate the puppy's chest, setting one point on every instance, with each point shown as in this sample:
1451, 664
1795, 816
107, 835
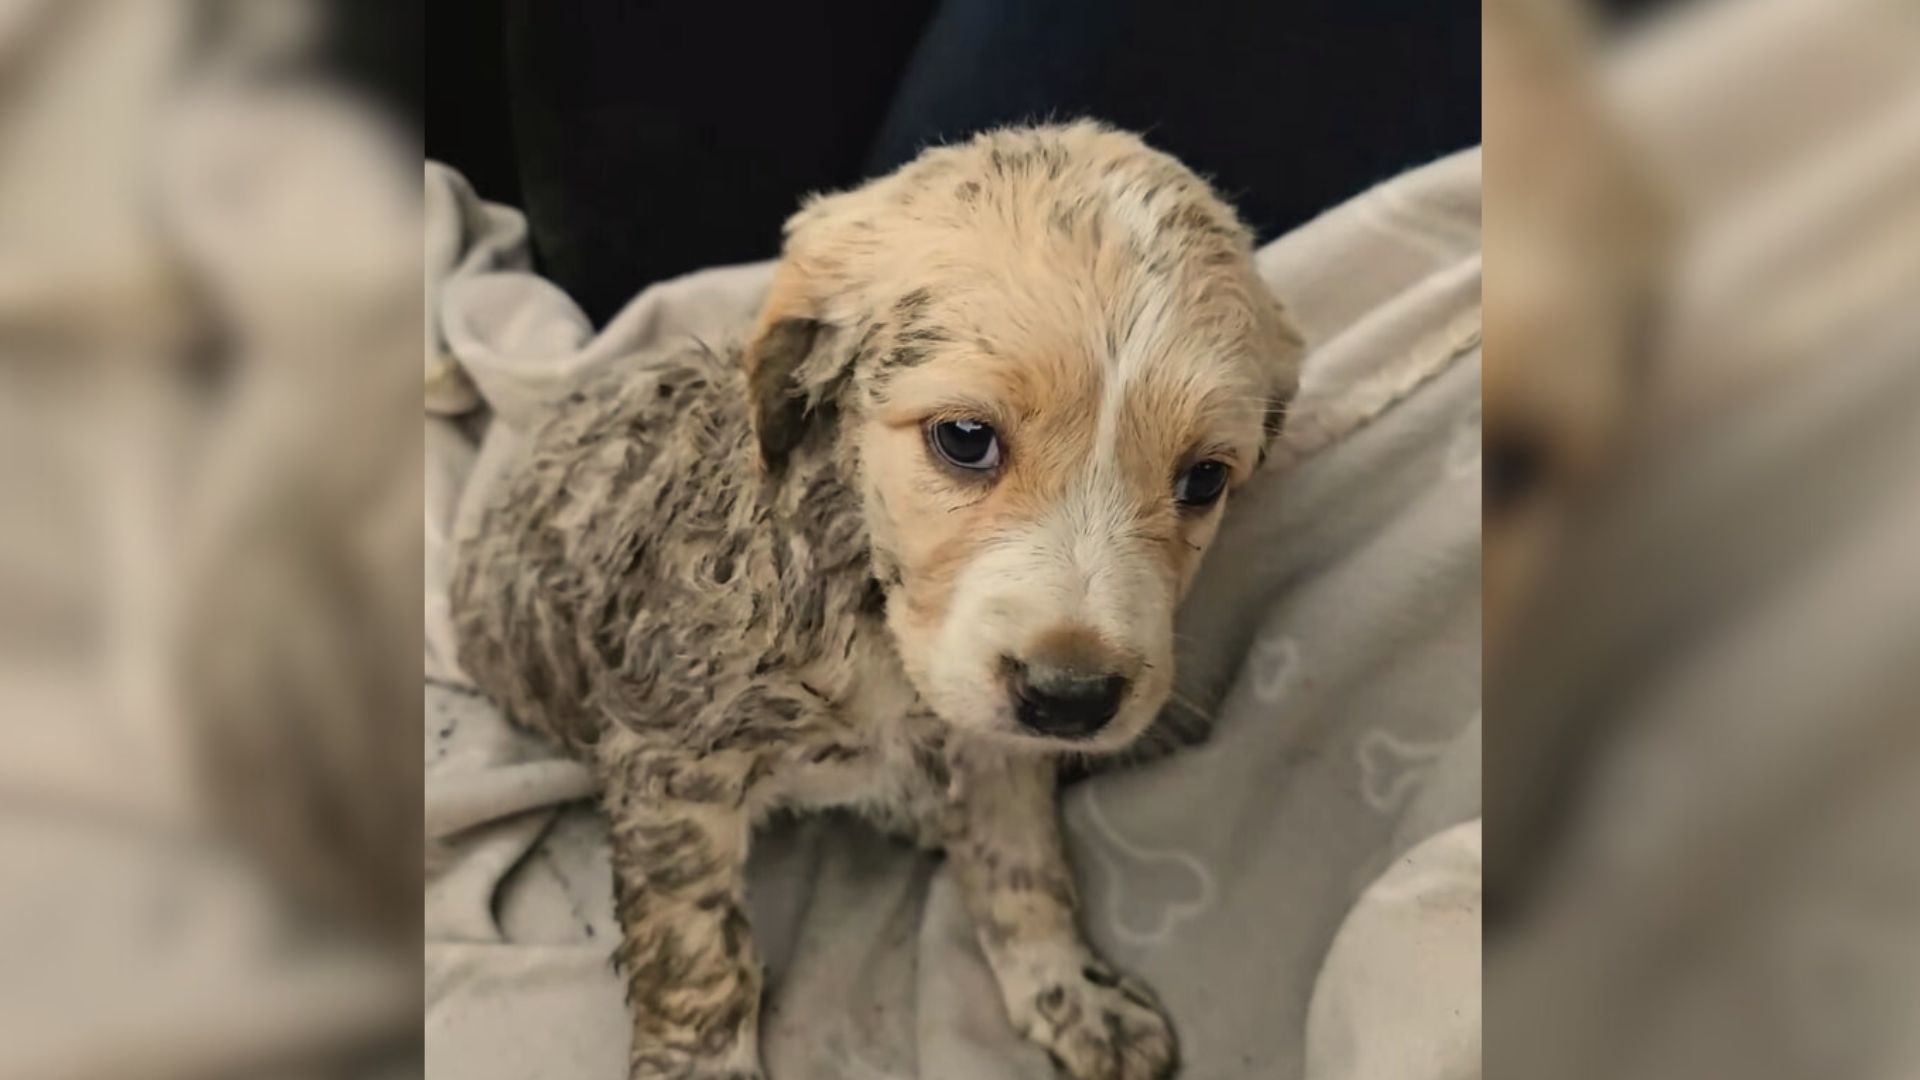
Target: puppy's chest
883, 756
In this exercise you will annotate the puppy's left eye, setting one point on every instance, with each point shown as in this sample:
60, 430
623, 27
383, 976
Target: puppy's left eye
1201, 485
965, 444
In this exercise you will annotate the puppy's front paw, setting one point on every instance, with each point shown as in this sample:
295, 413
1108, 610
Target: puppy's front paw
1099, 1025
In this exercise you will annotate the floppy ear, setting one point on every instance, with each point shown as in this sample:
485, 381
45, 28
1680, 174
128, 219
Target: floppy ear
1288, 349
798, 356
783, 339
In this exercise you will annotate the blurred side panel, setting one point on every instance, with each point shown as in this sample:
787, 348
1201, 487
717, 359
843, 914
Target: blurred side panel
1703, 699
210, 298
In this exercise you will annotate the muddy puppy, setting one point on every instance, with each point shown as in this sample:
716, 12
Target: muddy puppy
916, 540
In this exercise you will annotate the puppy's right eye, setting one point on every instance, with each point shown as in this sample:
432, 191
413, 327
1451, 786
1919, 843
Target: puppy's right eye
1201, 485
965, 444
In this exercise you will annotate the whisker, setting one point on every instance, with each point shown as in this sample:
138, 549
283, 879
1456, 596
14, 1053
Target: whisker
1193, 708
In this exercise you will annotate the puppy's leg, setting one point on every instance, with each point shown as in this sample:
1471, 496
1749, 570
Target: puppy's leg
1013, 869
679, 856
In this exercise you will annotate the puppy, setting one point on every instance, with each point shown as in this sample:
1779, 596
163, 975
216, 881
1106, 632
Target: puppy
921, 537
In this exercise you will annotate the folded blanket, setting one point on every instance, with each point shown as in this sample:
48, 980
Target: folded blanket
1310, 873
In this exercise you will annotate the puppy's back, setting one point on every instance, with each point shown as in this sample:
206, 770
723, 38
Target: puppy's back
581, 545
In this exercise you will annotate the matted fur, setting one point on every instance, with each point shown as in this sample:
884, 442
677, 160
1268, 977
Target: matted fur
736, 580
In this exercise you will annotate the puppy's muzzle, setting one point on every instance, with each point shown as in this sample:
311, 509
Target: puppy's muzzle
1063, 703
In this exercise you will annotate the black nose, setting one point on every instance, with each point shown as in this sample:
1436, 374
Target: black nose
1064, 704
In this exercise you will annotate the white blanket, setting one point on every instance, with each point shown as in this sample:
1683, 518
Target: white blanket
1302, 890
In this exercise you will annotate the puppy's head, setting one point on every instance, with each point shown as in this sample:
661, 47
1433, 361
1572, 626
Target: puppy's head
1046, 361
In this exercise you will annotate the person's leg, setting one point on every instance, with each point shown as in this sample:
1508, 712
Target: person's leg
658, 138
1291, 106
467, 96
654, 139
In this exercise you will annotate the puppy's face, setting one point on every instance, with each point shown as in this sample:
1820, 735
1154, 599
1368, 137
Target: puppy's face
1055, 365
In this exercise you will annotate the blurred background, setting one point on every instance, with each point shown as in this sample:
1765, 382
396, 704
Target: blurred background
647, 140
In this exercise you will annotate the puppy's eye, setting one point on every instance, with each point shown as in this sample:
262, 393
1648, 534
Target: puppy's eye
965, 444
1201, 485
